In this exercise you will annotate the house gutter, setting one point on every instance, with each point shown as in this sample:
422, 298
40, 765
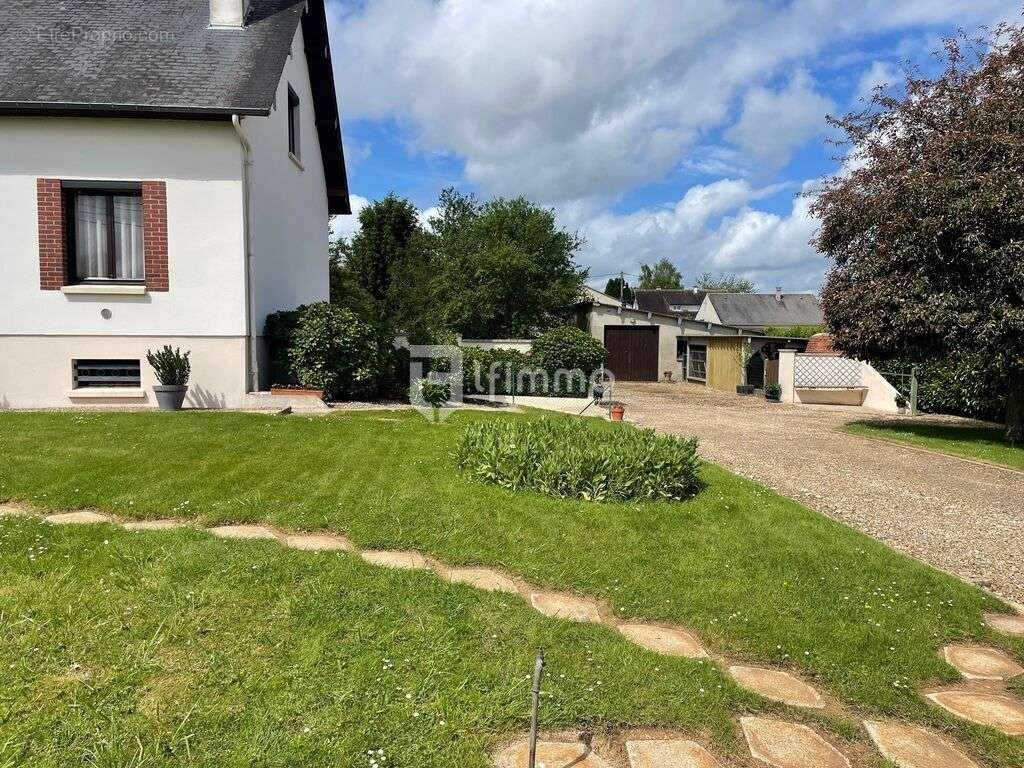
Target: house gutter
252, 385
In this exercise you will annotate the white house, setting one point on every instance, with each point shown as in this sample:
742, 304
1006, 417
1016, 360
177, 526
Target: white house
167, 171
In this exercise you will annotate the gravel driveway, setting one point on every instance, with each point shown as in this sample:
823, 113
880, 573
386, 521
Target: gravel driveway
959, 516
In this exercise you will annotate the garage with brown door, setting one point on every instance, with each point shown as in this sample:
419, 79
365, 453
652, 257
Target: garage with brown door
632, 352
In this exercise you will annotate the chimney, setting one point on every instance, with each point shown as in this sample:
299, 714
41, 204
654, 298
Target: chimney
778, 293
228, 13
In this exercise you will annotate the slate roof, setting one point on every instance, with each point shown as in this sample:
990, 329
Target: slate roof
662, 299
757, 310
160, 58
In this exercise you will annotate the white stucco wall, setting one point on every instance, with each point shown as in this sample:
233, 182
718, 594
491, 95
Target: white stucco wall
199, 162
41, 332
289, 202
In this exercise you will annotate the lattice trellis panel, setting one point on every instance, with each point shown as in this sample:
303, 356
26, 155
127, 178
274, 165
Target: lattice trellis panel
826, 372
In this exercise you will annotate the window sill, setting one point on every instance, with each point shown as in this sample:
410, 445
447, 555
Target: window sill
91, 289
108, 393
297, 162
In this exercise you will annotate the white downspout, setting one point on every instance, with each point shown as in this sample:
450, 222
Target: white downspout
252, 385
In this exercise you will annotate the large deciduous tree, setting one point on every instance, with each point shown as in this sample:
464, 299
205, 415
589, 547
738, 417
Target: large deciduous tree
662, 275
501, 268
926, 223
389, 233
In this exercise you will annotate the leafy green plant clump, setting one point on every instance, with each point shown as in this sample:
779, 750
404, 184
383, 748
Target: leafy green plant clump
332, 349
579, 459
172, 368
569, 349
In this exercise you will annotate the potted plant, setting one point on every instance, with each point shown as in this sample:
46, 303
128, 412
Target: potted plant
901, 404
773, 392
616, 410
744, 354
172, 371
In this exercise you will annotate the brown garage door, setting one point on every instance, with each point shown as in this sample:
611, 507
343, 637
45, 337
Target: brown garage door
632, 352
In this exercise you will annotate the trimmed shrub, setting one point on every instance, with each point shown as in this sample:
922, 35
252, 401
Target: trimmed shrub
567, 348
971, 385
172, 368
333, 350
477, 367
580, 459
279, 331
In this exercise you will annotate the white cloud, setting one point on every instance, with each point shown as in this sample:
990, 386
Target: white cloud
879, 73
586, 100
774, 123
712, 228
346, 226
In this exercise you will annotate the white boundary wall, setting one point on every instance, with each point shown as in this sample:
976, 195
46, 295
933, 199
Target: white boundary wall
875, 391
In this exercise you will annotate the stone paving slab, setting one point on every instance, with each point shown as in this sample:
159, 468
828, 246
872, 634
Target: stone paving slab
563, 606
318, 543
789, 745
482, 578
243, 532
406, 561
908, 746
154, 525
8, 511
778, 686
549, 755
996, 710
670, 642
670, 753
977, 663
78, 518
1006, 623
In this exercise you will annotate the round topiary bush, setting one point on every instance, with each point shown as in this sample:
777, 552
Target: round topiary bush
567, 348
580, 459
333, 350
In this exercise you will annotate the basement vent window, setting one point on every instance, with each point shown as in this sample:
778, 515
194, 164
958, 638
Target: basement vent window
107, 373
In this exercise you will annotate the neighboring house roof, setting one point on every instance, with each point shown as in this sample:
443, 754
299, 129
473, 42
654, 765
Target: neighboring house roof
161, 58
758, 310
663, 299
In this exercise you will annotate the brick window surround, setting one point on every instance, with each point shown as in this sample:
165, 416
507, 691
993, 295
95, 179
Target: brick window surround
54, 270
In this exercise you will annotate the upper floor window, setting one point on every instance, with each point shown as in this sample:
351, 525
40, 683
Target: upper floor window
293, 123
105, 233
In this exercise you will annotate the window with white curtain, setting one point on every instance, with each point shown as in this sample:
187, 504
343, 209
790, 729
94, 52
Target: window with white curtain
105, 235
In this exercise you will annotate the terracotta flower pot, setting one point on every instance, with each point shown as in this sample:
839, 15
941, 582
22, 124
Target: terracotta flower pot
617, 412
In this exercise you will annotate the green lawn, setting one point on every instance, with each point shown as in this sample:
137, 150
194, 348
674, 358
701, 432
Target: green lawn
971, 442
260, 640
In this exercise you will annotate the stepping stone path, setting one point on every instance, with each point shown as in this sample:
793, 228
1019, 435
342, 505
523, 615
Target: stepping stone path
996, 710
778, 686
153, 525
77, 518
777, 743
318, 543
562, 606
670, 642
976, 663
911, 747
549, 755
789, 745
482, 578
243, 532
406, 561
674, 753
1006, 623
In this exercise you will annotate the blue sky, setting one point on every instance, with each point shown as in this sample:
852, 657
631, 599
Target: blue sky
683, 129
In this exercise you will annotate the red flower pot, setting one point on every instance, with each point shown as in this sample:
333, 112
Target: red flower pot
617, 412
